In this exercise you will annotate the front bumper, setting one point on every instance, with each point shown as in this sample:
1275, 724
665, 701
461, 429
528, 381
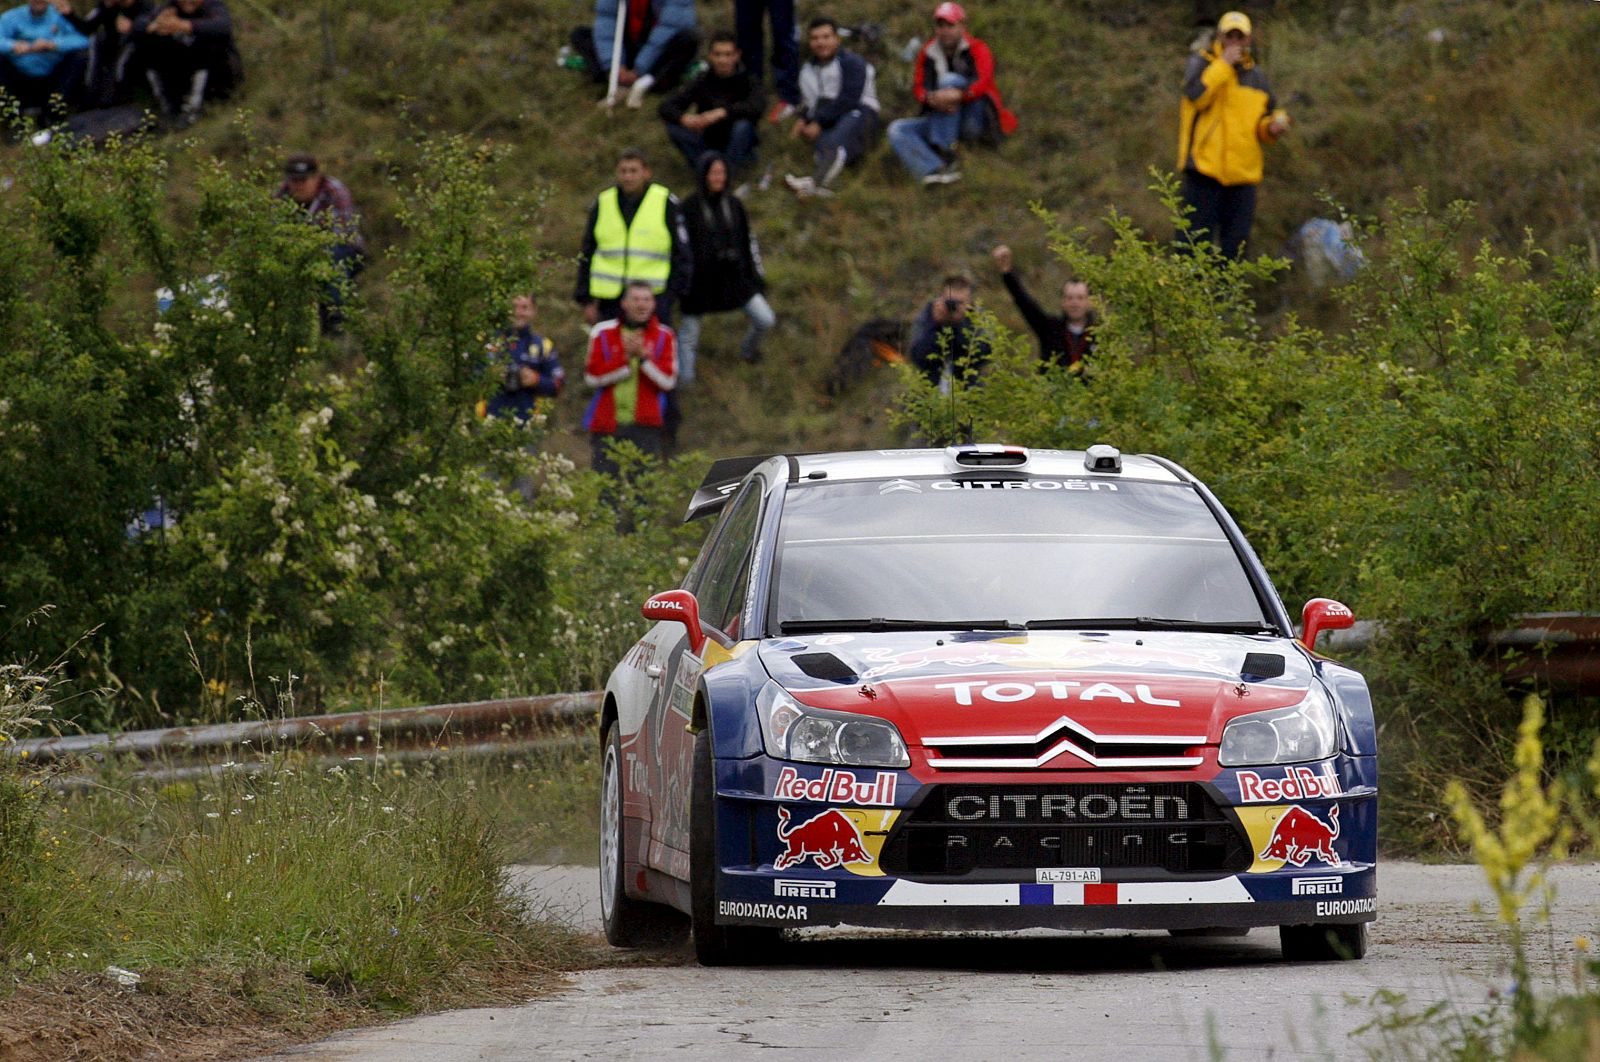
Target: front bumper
819, 860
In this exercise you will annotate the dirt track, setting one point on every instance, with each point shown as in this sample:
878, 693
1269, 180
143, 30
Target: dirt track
839, 995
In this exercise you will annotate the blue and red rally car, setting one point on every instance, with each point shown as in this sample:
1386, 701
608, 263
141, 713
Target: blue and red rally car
983, 688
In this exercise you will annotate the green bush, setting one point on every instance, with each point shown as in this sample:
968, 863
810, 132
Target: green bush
1431, 464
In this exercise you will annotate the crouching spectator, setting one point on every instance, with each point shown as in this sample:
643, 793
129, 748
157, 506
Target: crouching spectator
527, 364
727, 267
327, 202
114, 66
718, 111
632, 368
658, 44
189, 56
838, 111
42, 55
954, 82
946, 343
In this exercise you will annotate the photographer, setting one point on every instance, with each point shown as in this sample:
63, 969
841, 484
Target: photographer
527, 363
632, 369
945, 342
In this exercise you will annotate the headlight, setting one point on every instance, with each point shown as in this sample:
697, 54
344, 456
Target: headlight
1304, 731
793, 731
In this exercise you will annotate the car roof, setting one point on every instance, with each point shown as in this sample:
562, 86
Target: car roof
999, 461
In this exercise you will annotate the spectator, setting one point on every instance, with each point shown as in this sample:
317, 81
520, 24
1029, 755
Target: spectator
747, 18
1227, 112
658, 44
632, 367
718, 111
327, 202
838, 110
945, 341
189, 56
634, 232
1065, 339
527, 362
42, 55
954, 82
727, 266
114, 66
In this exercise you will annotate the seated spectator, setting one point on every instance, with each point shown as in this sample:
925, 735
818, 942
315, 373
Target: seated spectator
327, 202
1065, 339
632, 368
42, 55
114, 67
189, 56
718, 111
954, 82
838, 110
946, 344
727, 266
527, 363
658, 44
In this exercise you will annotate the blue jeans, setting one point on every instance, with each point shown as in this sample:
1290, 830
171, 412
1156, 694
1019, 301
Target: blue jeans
740, 151
762, 320
915, 139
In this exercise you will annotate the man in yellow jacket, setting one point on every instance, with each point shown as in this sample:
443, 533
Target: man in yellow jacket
1226, 114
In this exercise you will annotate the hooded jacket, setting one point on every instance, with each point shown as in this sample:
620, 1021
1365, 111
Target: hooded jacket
727, 259
975, 62
1223, 118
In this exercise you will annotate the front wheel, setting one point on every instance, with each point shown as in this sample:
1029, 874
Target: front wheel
714, 945
1324, 941
629, 923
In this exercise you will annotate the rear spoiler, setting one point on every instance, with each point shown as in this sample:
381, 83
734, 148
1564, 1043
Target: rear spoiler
720, 483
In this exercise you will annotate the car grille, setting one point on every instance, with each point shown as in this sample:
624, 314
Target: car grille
1064, 742
1157, 829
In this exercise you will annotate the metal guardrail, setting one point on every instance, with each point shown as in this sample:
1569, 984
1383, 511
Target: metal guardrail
502, 727
1559, 651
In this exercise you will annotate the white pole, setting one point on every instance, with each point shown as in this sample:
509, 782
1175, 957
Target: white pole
616, 54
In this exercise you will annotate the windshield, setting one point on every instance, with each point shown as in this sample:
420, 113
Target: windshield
1048, 552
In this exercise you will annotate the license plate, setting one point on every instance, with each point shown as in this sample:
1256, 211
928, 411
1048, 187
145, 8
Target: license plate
1068, 875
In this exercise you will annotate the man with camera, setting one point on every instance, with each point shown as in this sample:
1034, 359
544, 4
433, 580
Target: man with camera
946, 343
632, 369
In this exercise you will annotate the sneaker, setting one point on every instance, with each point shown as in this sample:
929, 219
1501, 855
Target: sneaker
800, 186
640, 87
949, 173
840, 157
780, 110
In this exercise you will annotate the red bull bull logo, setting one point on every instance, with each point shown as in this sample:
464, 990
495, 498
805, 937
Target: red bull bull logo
829, 840
1300, 837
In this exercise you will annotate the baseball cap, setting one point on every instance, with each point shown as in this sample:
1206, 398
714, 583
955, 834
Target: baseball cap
300, 166
1234, 20
949, 12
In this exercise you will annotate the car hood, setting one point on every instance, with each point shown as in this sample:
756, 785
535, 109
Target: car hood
943, 687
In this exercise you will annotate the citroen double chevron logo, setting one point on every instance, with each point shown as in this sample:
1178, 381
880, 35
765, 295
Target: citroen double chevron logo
898, 486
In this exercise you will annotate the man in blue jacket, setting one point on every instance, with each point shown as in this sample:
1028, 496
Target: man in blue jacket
658, 44
42, 54
838, 110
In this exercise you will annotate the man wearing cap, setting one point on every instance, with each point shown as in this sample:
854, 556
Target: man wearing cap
954, 82
327, 202
1227, 112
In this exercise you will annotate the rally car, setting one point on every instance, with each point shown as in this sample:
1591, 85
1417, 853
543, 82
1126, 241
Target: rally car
982, 688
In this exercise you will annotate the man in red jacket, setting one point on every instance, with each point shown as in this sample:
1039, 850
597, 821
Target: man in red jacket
954, 82
633, 366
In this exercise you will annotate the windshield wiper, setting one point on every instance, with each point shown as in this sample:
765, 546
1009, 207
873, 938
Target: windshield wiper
1151, 623
823, 626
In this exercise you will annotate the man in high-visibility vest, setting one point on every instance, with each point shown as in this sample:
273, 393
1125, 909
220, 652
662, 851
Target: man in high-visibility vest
635, 231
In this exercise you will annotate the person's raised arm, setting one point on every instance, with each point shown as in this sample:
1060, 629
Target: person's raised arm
1203, 78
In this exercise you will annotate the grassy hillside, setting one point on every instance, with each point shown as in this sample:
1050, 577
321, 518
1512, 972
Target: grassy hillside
1482, 99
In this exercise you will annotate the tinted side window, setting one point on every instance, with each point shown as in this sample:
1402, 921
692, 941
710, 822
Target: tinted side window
723, 578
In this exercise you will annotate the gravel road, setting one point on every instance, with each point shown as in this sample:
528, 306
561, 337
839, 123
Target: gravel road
840, 995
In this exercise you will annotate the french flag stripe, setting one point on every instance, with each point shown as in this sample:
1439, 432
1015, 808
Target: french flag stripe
1037, 894
1100, 894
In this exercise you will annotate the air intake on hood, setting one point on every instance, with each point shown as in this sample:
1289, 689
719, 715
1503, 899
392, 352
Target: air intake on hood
824, 666
1260, 666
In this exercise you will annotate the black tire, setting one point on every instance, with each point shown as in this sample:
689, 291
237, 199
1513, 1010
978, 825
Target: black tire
1324, 941
629, 923
715, 945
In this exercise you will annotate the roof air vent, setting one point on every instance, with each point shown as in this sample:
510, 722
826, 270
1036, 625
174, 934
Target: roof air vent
1102, 458
986, 455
